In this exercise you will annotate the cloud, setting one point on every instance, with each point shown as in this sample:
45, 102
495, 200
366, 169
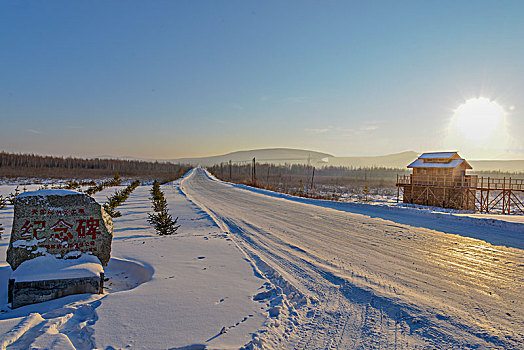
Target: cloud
35, 132
316, 131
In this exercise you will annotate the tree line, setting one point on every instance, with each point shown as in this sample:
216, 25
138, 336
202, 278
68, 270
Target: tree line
32, 165
297, 174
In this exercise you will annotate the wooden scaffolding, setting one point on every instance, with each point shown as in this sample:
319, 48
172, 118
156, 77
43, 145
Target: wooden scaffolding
469, 192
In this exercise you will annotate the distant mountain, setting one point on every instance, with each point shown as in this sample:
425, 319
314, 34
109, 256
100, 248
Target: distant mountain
396, 160
319, 159
403, 159
270, 155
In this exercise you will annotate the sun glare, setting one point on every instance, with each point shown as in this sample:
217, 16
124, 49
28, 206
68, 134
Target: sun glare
477, 118
479, 128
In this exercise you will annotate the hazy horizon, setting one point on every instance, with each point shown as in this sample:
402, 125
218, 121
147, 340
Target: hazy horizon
166, 80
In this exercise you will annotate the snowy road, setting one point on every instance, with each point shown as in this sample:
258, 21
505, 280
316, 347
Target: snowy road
358, 281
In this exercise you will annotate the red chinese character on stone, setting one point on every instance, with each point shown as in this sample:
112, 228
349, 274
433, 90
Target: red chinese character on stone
61, 229
42, 211
81, 211
51, 212
93, 225
88, 227
34, 212
73, 212
26, 229
30, 230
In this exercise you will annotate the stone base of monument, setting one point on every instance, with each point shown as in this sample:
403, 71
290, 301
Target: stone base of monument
45, 278
25, 293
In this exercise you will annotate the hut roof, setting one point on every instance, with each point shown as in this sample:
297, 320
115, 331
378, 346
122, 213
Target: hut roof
439, 155
439, 160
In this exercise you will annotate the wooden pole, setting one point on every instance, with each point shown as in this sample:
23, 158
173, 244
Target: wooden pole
487, 198
254, 173
509, 196
411, 182
504, 196
398, 189
312, 179
481, 193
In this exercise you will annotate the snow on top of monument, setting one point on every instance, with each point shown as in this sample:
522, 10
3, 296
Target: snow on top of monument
45, 193
47, 267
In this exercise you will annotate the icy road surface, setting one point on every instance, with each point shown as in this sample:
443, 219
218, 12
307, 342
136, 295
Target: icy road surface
359, 281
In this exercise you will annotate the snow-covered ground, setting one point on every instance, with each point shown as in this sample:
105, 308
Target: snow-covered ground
162, 292
263, 269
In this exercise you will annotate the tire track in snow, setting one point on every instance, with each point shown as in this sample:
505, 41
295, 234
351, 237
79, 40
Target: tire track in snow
342, 299
329, 322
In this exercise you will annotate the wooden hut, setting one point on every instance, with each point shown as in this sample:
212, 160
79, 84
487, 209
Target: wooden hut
439, 179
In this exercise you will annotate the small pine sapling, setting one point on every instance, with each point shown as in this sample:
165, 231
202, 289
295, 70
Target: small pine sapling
161, 220
11, 197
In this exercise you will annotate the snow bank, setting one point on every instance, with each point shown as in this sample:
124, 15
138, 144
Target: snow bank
124, 274
48, 267
45, 193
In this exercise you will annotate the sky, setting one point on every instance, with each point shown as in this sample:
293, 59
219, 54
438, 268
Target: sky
169, 79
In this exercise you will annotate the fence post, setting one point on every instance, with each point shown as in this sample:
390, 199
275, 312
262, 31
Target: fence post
312, 179
254, 173
504, 196
398, 189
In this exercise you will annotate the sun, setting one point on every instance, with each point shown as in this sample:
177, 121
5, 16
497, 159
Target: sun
477, 118
479, 128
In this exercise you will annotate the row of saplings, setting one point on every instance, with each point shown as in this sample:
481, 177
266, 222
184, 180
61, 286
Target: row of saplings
160, 219
118, 198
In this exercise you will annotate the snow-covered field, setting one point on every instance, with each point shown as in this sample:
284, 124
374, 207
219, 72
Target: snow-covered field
163, 292
263, 269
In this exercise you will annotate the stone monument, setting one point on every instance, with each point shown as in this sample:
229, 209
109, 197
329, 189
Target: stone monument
57, 224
